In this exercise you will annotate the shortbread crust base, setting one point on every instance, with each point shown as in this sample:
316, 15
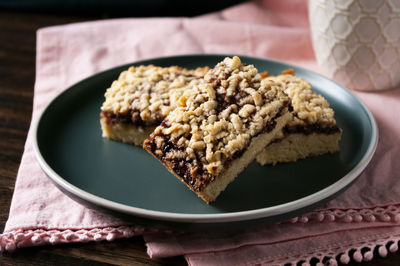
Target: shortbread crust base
296, 146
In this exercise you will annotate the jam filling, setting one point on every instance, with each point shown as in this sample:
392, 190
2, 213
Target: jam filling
307, 130
190, 170
132, 117
312, 128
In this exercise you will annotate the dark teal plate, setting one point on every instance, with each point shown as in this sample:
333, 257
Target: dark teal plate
127, 181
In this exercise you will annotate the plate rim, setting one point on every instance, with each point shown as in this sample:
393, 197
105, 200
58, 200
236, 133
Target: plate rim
266, 212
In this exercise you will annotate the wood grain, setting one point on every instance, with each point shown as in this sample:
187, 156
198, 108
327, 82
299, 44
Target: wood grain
17, 77
17, 73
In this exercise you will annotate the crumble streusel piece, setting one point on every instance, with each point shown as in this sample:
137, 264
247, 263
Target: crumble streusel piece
141, 98
219, 127
312, 130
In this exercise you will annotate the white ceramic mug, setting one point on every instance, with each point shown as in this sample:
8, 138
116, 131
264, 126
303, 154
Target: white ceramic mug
357, 42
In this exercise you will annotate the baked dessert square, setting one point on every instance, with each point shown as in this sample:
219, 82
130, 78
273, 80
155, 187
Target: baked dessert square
312, 131
141, 98
219, 127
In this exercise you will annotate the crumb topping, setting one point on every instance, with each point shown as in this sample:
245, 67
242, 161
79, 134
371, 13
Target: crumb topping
146, 94
309, 107
215, 121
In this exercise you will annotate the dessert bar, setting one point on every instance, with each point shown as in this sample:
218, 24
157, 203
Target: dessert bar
219, 126
141, 98
312, 130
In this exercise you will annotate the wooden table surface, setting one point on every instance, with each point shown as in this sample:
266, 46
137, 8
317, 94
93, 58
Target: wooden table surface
17, 73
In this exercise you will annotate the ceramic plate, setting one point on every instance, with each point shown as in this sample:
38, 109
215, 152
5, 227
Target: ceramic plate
127, 181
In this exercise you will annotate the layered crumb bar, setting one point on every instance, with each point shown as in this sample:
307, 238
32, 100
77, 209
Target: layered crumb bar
312, 130
219, 127
141, 98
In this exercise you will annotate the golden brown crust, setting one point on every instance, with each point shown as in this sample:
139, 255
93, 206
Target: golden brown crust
309, 107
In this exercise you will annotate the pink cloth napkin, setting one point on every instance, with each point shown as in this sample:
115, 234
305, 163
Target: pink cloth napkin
358, 222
